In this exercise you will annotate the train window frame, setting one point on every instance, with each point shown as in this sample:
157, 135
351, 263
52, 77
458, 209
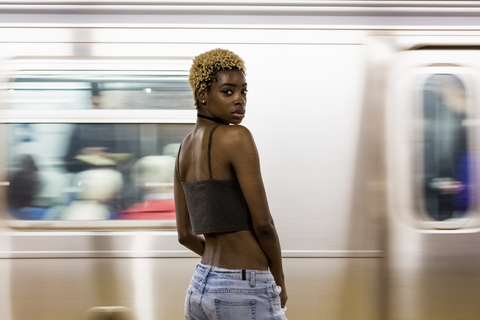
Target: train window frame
130, 65
406, 92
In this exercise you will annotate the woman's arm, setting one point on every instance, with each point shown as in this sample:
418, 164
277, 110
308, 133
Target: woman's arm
244, 158
196, 243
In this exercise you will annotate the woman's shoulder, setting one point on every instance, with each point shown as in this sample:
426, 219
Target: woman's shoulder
187, 138
234, 132
234, 138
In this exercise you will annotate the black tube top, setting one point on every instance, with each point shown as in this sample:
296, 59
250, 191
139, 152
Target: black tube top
215, 205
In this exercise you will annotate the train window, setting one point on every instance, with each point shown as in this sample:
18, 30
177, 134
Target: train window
92, 171
448, 183
93, 145
68, 91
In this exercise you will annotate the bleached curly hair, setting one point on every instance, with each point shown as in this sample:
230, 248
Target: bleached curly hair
207, 65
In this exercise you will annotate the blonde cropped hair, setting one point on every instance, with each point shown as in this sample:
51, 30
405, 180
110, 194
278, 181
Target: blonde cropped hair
207, 65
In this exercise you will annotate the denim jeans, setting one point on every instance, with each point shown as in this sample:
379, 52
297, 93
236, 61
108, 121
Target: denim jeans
225, 294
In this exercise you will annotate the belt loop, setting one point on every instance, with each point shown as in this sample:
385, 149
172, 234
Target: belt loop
205, 275
244, 274
252, 278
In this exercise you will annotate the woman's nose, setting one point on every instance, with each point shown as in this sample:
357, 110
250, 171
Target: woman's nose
240, 99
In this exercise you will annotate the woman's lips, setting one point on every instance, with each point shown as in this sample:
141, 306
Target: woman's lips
239, 114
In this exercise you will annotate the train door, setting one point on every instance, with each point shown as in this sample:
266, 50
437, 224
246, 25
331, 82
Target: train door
432, 110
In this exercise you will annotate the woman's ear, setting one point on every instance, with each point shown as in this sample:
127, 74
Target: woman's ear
201, 96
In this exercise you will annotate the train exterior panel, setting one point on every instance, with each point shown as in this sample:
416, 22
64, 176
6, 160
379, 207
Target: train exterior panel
341, 98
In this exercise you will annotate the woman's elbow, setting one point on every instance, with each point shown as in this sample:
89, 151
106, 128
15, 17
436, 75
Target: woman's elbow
264, 230
183, 238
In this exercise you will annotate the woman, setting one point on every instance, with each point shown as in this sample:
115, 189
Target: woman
221, 206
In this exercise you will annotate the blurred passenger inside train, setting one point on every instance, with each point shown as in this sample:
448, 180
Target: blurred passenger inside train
23, 190
99, 190
447, 162
95, 145
221, 204
154, 176
104, 146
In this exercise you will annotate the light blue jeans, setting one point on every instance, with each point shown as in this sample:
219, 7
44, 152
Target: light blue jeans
225, 294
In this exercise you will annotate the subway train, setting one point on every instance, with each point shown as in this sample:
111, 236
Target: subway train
366, 118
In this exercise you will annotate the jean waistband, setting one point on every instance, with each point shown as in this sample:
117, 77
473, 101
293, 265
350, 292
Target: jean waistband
204, 272
234, 274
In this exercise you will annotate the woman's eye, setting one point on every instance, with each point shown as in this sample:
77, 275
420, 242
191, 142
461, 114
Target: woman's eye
228, 92
244, 91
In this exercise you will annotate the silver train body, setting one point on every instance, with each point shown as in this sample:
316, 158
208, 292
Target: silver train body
338, 107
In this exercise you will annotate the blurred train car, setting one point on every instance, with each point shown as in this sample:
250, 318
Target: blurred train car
365, 115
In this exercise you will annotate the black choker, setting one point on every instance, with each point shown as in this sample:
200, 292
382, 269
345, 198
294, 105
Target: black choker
211, 119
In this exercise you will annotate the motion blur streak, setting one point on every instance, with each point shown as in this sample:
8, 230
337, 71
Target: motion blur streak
143, 285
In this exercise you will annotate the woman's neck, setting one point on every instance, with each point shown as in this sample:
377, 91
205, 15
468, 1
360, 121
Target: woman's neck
199, 115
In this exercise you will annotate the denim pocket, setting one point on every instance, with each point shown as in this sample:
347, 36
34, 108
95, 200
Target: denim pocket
235, 310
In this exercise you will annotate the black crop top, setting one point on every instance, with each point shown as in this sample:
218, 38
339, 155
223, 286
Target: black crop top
215, 205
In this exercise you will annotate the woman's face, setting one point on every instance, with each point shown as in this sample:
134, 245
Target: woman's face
227, 97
